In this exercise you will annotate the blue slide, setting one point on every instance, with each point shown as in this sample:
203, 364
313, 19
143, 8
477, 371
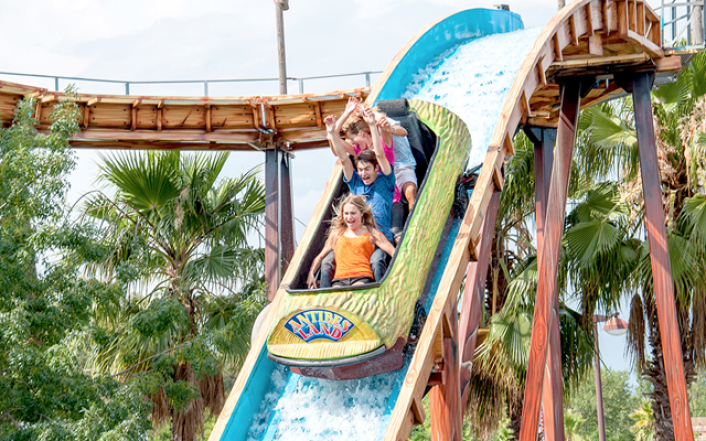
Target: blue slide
465, 62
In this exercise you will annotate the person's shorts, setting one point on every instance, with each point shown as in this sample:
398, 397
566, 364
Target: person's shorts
404, 174
338, 283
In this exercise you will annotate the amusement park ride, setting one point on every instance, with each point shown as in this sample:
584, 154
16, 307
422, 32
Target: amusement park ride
590, 52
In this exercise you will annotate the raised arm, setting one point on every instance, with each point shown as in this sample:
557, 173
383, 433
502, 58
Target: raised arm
369, 118
316, 264
337, 145
347, 112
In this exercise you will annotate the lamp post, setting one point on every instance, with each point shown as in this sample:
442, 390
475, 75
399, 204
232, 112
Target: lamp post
615, 326
281, 6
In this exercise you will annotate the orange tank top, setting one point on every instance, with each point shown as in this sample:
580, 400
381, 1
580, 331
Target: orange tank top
353, 257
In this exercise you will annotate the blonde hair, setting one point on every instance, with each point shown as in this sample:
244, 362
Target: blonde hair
338, 224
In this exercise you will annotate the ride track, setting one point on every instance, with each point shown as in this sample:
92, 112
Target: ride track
591, 51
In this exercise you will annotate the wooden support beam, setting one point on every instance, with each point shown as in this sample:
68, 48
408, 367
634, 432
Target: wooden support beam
659, 256
552, 396
472, 299
549, 259
286, 217
445, 400
272, 267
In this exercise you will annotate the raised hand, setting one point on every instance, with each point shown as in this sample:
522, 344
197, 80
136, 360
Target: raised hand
384, 124
330, 122
351, 105
368, 116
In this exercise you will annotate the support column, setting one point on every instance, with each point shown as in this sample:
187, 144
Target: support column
552, 395
472, 300
272, 276
548, 260
445, 399
659, 257
286, 217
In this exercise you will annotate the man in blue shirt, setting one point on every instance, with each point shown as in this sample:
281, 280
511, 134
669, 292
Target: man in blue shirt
364, 180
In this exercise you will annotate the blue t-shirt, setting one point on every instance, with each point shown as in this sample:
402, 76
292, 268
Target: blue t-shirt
379, 194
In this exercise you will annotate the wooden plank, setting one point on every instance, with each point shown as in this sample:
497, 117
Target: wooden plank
444, 400
671, 63
645, 44
595, 45
549, 260
209, 118
623, 18
272, 264
632, 15
640, 20
472, 299
158, 145
659, 256
151, 135
557, 48
573, 32
184, 117
417, 410
589, 19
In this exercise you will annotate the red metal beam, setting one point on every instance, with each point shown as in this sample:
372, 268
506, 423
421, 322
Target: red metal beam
286, 218
659, 256
272, 222
552, 394
472, 300
548, 261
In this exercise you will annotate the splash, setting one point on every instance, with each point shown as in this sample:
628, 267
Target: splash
473, 80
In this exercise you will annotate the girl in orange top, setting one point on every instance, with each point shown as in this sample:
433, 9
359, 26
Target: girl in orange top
353, 237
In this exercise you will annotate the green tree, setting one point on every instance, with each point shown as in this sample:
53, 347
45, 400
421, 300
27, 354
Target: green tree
178, 235
619, 401
697, 396
572, 425
46, 308
643, 429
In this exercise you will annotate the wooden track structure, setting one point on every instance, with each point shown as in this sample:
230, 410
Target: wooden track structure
252, 123
607, 45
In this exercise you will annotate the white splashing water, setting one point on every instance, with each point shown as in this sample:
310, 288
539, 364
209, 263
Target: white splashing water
473, 82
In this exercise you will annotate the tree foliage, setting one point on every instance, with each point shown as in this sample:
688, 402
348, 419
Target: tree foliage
176, 235
46, 307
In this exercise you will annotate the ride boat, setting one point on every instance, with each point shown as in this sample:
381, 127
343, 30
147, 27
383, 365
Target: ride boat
355, 332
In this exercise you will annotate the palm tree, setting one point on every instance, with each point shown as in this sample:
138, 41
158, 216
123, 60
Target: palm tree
572, 425
609, 257
177, 241
643, 429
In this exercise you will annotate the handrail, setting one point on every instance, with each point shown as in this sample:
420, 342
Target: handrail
682, 13
300, 80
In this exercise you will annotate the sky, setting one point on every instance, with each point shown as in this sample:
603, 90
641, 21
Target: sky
226, 39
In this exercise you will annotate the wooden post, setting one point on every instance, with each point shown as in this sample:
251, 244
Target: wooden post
281, 6
548, 260
286, 217
472, 300
272, 265
659, 256
552, 396
445, 399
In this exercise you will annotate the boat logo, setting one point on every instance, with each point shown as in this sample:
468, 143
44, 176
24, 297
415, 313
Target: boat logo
317, 324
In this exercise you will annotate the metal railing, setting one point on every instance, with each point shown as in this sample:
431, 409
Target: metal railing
300, 80
682, 22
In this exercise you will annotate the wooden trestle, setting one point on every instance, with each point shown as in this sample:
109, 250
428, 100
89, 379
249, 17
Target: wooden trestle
591, 51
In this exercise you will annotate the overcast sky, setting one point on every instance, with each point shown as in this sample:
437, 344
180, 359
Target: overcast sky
217, 39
